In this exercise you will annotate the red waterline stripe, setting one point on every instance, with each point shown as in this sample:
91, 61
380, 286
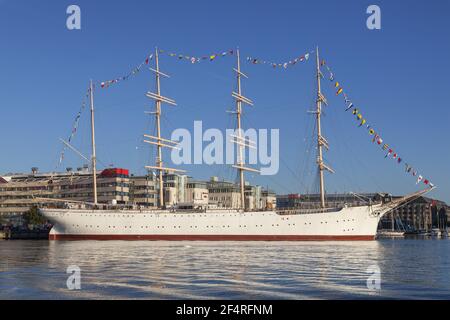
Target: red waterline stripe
210, 237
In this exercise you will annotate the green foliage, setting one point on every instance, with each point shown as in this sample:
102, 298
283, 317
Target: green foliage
34, 217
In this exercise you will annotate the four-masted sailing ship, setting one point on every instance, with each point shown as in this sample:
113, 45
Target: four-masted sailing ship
322, 223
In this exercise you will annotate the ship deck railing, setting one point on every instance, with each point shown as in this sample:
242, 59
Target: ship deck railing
297, 211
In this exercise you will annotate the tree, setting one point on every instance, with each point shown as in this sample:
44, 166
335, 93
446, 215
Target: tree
34, 217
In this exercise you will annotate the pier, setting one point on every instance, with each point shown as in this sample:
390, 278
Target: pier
24, 234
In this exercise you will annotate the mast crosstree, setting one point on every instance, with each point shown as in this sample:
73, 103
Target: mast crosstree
158, 140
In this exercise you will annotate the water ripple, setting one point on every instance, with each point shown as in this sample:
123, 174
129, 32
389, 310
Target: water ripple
410, 269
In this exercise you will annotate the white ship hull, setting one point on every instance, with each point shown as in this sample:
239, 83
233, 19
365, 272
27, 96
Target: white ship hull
353, 223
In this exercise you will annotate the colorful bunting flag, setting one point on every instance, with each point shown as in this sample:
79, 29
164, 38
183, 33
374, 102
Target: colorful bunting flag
74, 127
389, 153
419, 178
193, 59
283, 65
376, 137
106, 84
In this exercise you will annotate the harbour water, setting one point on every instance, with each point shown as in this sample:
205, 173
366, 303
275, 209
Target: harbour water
409, 269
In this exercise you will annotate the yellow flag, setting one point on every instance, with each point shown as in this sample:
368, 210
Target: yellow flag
336, 85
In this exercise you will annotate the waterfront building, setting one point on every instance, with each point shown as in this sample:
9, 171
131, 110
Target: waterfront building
223, 194
268, 199
197, 194
422, 213
19, 192
174, 189
144, 190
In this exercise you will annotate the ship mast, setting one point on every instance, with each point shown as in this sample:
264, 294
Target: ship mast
93, 157
321, 141
157, 140
239, 138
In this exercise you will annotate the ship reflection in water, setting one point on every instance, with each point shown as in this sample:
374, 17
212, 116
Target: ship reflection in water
230, 270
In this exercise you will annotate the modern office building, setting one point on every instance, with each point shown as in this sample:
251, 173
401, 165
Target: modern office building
144, 190
19, 192
174, 189
196, 195
223, 194
268, 199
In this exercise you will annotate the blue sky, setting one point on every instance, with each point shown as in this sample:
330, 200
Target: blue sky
398, 76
